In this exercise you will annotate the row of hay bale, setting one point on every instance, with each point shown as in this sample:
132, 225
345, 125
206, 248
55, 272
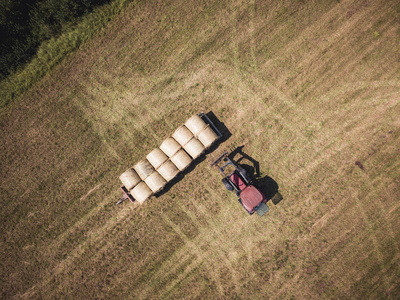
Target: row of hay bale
174, 155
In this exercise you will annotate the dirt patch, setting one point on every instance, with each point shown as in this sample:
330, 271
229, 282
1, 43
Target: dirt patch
359, 164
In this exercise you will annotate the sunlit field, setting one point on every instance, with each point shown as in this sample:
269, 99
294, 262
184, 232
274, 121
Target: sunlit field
311, 91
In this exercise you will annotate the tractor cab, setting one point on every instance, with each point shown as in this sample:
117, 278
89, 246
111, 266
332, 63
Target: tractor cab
236, 179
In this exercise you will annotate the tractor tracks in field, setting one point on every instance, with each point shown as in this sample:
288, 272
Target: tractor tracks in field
332, 140
194, 248
213, 249
378, 253
93, 236
208, 249
371, 230
134, 109
336, 139
298, 118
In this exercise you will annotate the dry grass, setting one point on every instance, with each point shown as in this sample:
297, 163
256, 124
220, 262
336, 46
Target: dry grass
312, 91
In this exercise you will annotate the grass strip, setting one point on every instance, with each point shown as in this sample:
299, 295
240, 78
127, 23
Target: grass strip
55, 50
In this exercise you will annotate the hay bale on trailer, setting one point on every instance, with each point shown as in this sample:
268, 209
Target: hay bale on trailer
141, 192
195, 124
208, 136
168, 170
170, 146
194, 148
181, 160
155, 182
182, 135
130, 178
175, 154
143, 168
156, 158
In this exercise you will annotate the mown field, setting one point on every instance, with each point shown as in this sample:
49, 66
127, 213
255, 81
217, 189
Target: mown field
311, 90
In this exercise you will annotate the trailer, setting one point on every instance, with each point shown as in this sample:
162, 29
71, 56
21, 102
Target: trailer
175, 154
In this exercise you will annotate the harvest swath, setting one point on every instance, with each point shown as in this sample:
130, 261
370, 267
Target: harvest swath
309, 88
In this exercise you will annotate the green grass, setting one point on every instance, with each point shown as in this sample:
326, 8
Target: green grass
55, 50
306, 87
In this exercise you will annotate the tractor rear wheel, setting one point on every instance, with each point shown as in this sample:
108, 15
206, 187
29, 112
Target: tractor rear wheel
228, 186
277, 198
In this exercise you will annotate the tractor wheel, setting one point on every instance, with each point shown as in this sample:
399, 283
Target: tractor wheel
277, 198
228, 186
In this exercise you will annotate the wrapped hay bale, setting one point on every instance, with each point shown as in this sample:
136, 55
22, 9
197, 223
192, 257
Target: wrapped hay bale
207, 136
141, 192
129, 178
181, 160
156, 158
195, 124
155, 182
170, 146
168, 170
194, 148
143, 168
182, 135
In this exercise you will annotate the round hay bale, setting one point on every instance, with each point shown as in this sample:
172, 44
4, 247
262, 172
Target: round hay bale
143, 168
129, 178
194, 148
156, 158
207, 136
141, 192
170, 146
182, 135
155, 182
195, 124
181, 160
168, 170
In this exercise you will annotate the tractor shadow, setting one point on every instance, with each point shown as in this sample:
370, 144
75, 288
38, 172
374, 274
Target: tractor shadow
225, 135
267, 185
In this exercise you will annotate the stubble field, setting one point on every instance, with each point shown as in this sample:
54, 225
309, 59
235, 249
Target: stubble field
310, 89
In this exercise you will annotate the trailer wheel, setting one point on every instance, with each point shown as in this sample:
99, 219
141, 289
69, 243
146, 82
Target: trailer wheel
277, 198
228, 186
122, 199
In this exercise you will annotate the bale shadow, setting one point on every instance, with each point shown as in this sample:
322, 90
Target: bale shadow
225, 135
267, 185
180, 176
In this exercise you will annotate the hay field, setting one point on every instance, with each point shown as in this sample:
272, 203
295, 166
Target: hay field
311, 90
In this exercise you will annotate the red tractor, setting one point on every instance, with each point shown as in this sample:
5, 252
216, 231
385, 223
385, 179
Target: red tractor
237, 179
